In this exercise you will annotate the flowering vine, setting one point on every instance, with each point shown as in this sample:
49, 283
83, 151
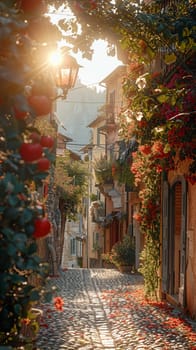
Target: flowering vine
161, 116
147, 177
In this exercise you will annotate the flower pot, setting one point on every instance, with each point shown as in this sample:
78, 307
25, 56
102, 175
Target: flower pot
125, 268
107, 265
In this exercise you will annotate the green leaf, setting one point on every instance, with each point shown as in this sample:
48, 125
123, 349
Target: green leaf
8, 233
150, 52
182, 46
34, 295
40, 176
17, 278
186, 32
11, 214
20, 241
6, 322
162, 98
49, 155
27, 289
26, 216
3, 284
5, 261
167, 148
20, 263
12, 200
17, 309
37, 259
173, 100
29, 229
32, 248
31, 265
170, 58
160, 27
11, 250
13, 143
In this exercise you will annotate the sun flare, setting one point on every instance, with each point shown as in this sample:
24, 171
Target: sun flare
55, 58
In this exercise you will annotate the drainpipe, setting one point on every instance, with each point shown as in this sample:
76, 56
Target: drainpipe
88, 205
87, 230
127, 210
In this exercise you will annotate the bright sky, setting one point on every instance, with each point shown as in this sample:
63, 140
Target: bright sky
92, 72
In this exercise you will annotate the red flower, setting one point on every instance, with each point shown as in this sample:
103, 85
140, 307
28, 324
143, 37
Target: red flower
145, 149
25, 321
93, 4
157, 147
159, 168
137, 217
142, 124
158, 150
191, 179
58, 303
155, 75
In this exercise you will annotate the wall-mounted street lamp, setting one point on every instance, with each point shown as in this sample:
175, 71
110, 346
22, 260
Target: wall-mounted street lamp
65, 71
66, 74
60, 68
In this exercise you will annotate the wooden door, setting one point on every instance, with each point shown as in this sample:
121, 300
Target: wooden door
174, 206
182, 296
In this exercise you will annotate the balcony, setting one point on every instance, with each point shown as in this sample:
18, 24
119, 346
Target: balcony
103, 171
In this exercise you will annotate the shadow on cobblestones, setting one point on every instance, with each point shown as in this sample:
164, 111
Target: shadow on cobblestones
104, 309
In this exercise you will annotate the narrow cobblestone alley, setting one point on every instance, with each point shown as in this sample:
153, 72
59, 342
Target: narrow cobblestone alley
104, 309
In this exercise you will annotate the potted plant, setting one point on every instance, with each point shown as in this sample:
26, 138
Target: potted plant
107, 261
103, 171
123, 254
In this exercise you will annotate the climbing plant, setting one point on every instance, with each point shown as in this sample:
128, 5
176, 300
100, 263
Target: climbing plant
162, 118
25, 156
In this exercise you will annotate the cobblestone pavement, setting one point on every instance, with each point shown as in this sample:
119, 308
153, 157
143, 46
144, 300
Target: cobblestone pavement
105, 309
